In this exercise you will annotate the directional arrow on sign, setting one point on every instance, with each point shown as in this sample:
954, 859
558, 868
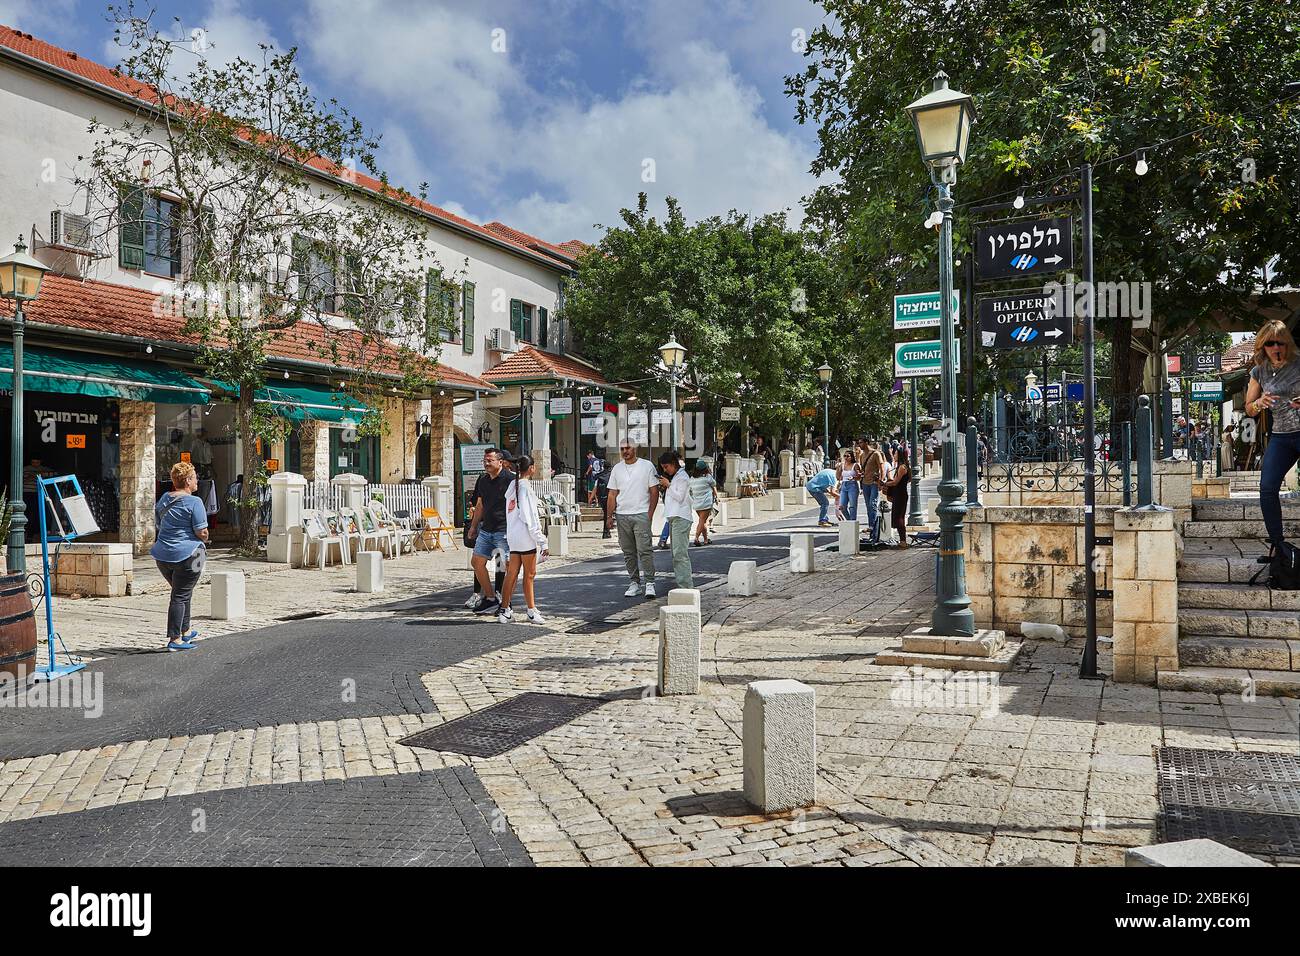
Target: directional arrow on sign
1054, 260
1053, 333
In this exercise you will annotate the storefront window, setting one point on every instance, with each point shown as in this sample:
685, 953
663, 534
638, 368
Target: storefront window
203, 435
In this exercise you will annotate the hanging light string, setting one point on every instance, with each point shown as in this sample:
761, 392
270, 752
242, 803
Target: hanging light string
1138, 153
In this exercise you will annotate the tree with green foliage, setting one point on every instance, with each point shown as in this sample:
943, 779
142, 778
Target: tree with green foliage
1056, 85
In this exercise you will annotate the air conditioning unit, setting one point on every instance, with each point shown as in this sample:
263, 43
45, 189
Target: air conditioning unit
71, 231
503, 340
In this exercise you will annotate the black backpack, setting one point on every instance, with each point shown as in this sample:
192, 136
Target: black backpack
1284, 568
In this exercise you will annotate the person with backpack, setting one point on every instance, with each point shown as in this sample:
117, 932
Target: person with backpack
1275, 387
526, 539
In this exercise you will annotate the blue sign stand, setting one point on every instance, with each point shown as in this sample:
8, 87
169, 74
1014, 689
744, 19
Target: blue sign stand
48, 491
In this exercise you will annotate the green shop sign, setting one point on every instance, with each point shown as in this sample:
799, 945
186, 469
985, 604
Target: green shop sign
919, 310
1207, 391
919, 359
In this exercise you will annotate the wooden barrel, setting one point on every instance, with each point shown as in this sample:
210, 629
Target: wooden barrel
17, 627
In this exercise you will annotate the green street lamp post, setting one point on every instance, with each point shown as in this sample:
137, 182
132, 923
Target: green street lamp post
824, 373
20, 280
942, 120
674, 357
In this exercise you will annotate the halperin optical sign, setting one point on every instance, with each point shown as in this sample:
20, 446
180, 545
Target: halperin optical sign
919, 359
1025, 319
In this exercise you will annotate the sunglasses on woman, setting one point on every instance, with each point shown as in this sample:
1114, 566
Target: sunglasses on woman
1274, 345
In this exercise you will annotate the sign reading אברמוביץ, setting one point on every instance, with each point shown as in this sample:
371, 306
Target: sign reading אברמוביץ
919, 359
919, 310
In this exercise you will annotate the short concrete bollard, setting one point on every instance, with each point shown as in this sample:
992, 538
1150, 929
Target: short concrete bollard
780, 745
469, 557
742, 579
370, 572
776, 501
679, 649
228, 601
720, 519
557, 540
1189, 853
850, 537
745, 509
801, 553
684, 597
804, 498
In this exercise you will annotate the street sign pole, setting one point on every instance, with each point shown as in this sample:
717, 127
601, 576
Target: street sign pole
952, 613
916, 516
971, 332
1088, 665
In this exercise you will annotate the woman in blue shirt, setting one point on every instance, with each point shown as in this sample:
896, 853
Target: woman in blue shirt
179, 550
819, 486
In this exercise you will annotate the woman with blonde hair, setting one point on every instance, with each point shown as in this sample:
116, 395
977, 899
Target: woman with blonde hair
179, 550
1275, 385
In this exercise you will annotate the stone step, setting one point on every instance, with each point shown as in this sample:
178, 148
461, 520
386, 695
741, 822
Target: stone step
1239, 509
1001, 661
1234, 622
1252, 653
1231, 680
1244, 597
1215, 569
1237, 529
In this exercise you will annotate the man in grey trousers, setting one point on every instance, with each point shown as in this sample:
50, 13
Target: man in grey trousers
633, 497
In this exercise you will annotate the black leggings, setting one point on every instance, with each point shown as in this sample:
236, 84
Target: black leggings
1280, 457
183, 577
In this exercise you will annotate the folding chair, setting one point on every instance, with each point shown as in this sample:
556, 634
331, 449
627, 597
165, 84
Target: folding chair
435, 525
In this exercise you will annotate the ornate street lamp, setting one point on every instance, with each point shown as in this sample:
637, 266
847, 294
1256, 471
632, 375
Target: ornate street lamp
20, 280
824, 373
942, 120
674, 357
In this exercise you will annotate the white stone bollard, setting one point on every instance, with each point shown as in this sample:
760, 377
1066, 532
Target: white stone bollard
776, 501
804, 498
469, 558
801, 553
780, 745
742, 579
679, 649
684, 597
720, 519
370, 572
850, 537
745, 509
557, 540
228, 601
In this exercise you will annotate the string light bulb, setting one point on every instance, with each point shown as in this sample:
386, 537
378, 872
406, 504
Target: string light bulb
286, 373
1141, 167
148, 350
1019, 201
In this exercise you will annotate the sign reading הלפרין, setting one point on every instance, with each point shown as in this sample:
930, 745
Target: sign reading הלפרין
919, 310
1025, 247
919, 359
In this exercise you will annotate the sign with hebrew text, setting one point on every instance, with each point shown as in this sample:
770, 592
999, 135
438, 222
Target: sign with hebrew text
1027, 247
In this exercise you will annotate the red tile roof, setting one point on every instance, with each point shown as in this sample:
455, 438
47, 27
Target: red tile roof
106, 307
70, 62
568, 252
1239, 356
531, 364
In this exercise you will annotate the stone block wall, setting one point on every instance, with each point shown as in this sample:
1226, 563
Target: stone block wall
136, 470
314, 444
1028, 565
397, 444
1038, 484
442, 439
97, 569
1208, 487
1146, 594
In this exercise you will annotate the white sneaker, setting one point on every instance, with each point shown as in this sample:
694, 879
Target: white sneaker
633, 590
505, 615
535, 616
650, 591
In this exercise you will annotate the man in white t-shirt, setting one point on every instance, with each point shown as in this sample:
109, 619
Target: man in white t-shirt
633, 497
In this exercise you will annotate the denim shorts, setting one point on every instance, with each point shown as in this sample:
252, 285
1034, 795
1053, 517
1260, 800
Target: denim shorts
489, 541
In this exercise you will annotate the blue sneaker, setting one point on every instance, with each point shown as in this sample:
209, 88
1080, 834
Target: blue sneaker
181, 645
191, 635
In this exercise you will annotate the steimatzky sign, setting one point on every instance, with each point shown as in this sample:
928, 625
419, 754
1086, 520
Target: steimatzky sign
1026, 319
919, 359
1028, 247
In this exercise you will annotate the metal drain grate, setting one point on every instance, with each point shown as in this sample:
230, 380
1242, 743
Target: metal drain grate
504, 726
1249, 801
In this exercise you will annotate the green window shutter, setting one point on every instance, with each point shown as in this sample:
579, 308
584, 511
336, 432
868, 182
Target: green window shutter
448, 314
467, 322
541, 327
517, 318
130, 232
432, 282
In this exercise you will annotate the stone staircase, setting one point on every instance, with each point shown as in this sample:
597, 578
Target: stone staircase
1230, 632
1244, 481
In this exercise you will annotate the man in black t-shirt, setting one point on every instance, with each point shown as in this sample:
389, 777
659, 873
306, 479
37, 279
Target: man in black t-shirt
487, 525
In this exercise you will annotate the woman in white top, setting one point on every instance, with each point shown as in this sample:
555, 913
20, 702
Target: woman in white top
525, 537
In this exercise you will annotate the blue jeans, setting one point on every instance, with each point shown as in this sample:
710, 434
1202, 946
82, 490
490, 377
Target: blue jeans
821, 499
1282, 454
849, 500
872, 494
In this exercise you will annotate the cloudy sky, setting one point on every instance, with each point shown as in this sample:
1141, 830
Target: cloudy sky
549, 115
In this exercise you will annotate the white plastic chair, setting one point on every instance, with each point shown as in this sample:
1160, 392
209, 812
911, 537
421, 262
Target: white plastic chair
362, 526
403, 538
317, 533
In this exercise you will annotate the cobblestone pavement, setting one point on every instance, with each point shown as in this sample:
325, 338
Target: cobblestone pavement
913, 769
437, 818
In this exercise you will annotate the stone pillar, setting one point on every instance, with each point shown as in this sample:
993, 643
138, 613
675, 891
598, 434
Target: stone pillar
1145, 577
397, 444
137, 469
557, 540
787, 468
566, 483
720, 519
228, 595
288, 491
354, 490
745, 509
440, 494
679, 649
732, 483
370, 572
442, 439
314, 443
742, 579
776, 501
850, 537
801, 553
779, 745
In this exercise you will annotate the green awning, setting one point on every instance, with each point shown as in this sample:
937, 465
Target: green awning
102, 376
300, 402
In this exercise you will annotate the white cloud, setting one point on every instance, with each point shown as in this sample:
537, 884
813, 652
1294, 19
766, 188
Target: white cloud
37, 17
222, 34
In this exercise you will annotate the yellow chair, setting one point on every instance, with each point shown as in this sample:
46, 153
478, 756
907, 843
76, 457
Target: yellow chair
434, 525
